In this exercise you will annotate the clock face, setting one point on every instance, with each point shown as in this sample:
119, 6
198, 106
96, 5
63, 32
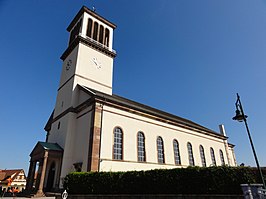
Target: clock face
68, 64
96, 63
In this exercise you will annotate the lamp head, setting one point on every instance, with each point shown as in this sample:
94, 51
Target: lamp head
239, 116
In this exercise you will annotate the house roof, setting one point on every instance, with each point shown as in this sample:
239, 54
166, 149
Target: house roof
42, 147
122, 102
50, 146
169, 118
5, 174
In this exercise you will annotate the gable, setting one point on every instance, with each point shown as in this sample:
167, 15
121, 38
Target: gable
84, 95
5, 174
41, 147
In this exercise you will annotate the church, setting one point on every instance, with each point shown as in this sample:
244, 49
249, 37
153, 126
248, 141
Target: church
92, 129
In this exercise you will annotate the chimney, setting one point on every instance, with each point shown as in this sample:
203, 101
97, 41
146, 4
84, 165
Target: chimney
222, 130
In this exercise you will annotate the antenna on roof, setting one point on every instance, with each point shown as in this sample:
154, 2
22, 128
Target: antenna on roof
93, 9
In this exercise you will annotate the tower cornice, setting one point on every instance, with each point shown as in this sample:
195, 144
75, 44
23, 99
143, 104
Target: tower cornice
89, 42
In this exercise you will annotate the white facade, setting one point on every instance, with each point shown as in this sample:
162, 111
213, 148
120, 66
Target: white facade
131, 124
87, 114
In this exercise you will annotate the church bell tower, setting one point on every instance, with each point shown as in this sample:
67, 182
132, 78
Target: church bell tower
89, 56
87, 63
88, 59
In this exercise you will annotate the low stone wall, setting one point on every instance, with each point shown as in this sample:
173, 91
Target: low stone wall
151, 196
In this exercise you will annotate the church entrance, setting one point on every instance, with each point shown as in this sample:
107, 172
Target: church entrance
51, 175
49, 157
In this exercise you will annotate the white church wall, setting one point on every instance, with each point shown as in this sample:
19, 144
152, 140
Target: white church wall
73, 137
58, 131
69, 145
95, 69
131, 123
232, 155
82, 97
64, 98
108, 165
82, 136
69, 66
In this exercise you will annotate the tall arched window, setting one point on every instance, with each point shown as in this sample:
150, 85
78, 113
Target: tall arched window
101, 34
190, 154
222, 157
213, 157
160, 150
141, 147
118, 144
95, 31
89, 28
176, 152
202, 156
75, 31
106, 37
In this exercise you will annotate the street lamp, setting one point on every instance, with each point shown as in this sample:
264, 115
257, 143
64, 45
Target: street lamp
240, 116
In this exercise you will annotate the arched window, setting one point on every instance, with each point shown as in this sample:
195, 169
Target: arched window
222, 157
118, 144
213, 157
141, 147
106, 37
89, 28
190, 154
95, 31
58, 126
176, 152
75, 31
202, 156
160, 150
101, 34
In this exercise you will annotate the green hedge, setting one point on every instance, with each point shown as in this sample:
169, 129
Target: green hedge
191, 180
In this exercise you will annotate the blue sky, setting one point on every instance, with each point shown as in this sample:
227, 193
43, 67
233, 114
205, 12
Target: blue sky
189, 58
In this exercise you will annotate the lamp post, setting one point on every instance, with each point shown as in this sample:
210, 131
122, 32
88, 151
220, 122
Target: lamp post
240, 116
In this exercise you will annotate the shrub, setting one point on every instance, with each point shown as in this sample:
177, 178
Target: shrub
191, 180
